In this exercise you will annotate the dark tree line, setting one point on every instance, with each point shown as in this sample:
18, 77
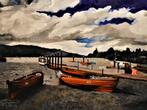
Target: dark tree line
138, 56
30, 51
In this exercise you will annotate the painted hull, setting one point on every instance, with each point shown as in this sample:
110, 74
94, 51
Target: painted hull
73, 72
22, 85
102, 84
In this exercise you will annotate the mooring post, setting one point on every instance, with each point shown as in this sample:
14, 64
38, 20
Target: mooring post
83, 59
49, 61
118, 67
58, 59
46, 60
55, 60
73, 58
61, 59
102, 72
52, 60
114, 63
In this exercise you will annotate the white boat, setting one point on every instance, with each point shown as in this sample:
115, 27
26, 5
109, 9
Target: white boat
42, 60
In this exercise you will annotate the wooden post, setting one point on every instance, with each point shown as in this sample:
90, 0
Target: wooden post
73, 58
102, 72
61, 60
49, 61
118, 67
52, 60
55, 61
114, 63
46, 60
83, 59
58, 59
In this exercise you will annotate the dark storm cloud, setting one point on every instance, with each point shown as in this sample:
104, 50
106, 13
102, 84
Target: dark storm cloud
140, 43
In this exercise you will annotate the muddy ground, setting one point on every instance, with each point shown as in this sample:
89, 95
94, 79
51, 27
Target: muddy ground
129, 95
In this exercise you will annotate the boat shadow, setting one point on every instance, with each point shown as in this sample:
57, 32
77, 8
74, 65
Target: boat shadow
29, 94
115, 91
122, 91
3, 93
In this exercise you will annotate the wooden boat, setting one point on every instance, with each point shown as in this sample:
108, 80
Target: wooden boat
42, 60
74, 72
22, 85
101, 84
2, 59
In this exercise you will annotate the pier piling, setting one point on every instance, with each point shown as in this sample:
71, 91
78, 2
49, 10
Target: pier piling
61, 60
52, 60
58, 59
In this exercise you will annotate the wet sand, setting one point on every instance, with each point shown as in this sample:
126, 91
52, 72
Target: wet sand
129, 95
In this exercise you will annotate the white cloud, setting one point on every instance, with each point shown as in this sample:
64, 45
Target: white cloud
25, 23
30, 27
52, 5
4, 2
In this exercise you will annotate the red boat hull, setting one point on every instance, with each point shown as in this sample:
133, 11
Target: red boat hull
102, 84
20, 86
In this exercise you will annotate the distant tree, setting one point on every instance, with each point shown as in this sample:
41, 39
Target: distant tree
138, 51
128, 51
110, 53
95, 53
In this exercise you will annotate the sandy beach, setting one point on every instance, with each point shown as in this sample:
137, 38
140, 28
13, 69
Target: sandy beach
129, 94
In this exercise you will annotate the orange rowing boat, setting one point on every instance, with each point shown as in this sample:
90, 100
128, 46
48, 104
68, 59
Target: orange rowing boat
101, 84
73, 72
18, 87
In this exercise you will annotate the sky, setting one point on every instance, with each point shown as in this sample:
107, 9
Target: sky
77, 26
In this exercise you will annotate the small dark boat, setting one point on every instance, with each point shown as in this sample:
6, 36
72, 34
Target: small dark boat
2, 59
101, 84
22, 85
42, 60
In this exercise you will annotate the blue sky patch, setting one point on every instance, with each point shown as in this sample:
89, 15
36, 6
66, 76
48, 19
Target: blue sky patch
116, 21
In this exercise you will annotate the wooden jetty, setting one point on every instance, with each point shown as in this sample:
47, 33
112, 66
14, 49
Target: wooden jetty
111, 73
56, 62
